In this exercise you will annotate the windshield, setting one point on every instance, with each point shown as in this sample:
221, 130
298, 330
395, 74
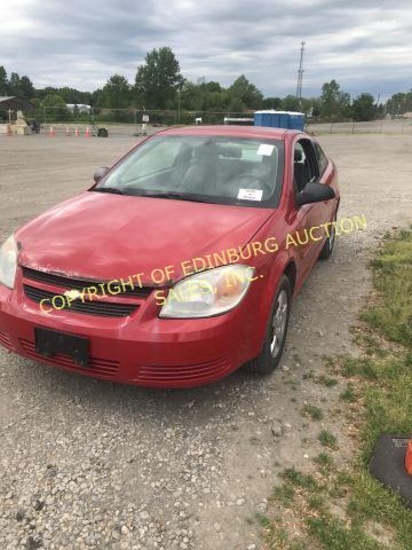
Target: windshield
225, 170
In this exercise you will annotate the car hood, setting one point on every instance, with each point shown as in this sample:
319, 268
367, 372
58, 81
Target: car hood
102, 237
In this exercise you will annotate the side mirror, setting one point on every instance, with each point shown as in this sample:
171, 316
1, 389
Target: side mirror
314, 192
100, 173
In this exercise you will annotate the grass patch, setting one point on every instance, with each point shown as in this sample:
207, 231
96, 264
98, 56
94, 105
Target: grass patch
327, 439
312, 411
331, 533
337, 507
348, 394
326, 381
392, 277
324, 460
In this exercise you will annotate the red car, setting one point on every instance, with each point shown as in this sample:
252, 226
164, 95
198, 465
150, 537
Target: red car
179, 265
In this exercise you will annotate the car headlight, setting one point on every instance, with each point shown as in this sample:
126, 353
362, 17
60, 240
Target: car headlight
208, 293
8, 262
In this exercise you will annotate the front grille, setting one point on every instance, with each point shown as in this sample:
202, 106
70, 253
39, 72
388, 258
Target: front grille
104, 368
176, 374
80, 284
97, 307
5, 340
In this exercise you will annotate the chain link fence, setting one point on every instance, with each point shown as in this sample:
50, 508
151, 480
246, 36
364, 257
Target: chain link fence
384, 126
131, 121
133, 117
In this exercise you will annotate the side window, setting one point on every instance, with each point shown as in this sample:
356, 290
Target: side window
305, 167
321, 158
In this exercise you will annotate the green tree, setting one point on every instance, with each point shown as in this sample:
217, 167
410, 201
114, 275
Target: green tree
192, 97
236, 105
272, 103
291, 103
247, 92
15, 85
26, 88
116, 93
96, 98
158, 79
399, 103
211, 87
71, 95
4, 83
335, 102
38, 113
215, 101
364, 108
55, 108
21, 86
312, 106
43, 92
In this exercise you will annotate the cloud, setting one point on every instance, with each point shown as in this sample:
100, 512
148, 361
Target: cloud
364, 46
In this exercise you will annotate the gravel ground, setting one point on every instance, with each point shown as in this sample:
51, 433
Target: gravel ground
89, 464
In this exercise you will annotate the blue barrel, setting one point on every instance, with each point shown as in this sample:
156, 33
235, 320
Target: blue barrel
280, 119
267, 118
284, 120
296, 121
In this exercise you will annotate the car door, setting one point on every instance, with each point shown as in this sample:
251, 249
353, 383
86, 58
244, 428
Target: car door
309, 240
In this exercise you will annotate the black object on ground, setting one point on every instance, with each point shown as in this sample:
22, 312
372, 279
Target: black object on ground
388, 465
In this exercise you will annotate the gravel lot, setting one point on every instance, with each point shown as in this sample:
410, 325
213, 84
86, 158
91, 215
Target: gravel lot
89, 464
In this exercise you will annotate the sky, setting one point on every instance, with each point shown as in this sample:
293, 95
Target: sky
365, 45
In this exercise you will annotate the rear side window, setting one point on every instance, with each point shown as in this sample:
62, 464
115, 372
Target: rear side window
321, 158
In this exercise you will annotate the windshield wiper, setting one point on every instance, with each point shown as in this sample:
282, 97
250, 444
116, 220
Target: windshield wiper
178, 196
114, 190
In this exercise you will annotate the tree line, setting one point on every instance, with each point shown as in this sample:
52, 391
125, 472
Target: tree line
160, 85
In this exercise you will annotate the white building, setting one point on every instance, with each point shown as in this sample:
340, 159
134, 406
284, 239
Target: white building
82, 108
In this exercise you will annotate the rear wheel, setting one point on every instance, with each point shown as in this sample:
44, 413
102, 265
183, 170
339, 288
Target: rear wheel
276, 330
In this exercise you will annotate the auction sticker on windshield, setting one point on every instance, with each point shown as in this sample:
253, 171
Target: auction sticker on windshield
250, 194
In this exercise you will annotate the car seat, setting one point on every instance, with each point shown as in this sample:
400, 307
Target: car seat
201, 174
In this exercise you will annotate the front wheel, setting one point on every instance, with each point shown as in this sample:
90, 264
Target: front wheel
276, 330
327, 249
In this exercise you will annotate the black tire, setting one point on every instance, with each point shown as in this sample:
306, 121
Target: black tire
102, 132
272, 349
327, 249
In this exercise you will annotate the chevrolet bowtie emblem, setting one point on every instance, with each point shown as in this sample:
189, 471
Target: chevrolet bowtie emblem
73, 294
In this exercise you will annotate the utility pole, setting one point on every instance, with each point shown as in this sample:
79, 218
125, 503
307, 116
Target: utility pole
300, 75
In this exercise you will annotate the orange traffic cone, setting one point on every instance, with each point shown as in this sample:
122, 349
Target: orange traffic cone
77, 133
67, 131
87, 132
51, 132
408, 458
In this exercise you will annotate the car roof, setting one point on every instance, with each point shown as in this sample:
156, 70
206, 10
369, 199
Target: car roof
262, 132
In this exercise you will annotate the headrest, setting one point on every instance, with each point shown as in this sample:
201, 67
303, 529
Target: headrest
185, 152
298, 155
206, 152
230, 151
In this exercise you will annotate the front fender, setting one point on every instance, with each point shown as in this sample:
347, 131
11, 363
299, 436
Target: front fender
270, 276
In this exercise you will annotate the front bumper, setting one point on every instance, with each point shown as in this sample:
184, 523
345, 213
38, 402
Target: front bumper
141, 349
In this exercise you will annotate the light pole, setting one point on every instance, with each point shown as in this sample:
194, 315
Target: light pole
179, 90
300, 75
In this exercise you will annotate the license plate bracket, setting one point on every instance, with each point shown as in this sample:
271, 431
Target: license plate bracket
49, 342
